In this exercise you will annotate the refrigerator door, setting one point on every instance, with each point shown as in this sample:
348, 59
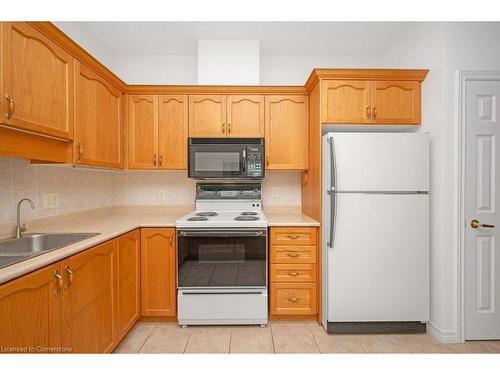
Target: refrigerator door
378, 268
380, 161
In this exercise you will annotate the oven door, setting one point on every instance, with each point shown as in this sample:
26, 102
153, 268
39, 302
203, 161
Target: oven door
217, 161
222, 258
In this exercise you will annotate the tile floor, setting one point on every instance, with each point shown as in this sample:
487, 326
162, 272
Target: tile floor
282, 337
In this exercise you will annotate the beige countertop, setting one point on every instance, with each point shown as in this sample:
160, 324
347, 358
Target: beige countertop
112, 222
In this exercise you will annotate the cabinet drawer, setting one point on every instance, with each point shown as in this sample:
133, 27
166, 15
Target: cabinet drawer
293, 254
293, 273
293, 236
293, 298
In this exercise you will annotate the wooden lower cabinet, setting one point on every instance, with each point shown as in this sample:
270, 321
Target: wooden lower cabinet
293, 272
158, 273
128, 292
88, 305
30, 312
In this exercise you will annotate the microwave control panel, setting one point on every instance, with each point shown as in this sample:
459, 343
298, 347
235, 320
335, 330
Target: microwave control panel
255, 165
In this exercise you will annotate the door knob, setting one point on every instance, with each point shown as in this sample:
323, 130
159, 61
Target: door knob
476, 224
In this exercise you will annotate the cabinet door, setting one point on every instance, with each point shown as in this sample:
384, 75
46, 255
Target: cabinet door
245, 116
128, 282
346, 102
88, 300
30, 311
396, 102
37, 77
158, 272
98, 135
143, 131
207, 115
173, 131
287, 132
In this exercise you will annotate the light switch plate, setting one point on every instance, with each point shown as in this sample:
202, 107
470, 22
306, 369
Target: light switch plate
50, 200
161, 195
275, 192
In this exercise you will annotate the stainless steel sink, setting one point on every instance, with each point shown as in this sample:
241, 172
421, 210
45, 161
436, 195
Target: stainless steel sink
30, 245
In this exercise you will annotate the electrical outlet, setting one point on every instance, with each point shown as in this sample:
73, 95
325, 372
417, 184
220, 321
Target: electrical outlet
161, 195
275, 192
50, 200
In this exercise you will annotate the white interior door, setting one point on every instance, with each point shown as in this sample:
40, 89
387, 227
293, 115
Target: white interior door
482, 176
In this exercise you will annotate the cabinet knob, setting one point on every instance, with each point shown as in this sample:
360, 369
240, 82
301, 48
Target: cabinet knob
160, 159
374, 111
367, 112
229, 128
223, 130
154, 160
267, 160
11, 104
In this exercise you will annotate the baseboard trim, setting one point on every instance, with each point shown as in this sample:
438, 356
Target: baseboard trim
446, 337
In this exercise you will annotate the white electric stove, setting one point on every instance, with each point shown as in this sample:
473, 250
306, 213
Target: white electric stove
222, 257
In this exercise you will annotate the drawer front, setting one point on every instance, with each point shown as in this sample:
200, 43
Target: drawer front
293, 254
293, 236
293, 273
293, 299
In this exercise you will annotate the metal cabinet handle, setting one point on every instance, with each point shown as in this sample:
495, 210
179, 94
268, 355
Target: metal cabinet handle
294, 273
79, 151
374, 112
154, 159
70, 278
367, 112
12, 108
160, 159
229, 128
476, 224
267, 160
293, 236
293, 255
60, 281
223, 130
293, 299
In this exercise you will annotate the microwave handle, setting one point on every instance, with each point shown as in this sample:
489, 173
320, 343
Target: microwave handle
244, 161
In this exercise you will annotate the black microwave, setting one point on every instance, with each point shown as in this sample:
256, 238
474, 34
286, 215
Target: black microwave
231, 158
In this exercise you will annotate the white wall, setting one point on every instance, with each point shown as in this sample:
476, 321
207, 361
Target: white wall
444, 49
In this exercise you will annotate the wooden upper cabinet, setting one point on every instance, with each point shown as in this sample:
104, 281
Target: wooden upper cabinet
173, 131
371, 102
143, 131
37, 82
158, 272
30, 310
98, 134
88, 300
287, 131
245, 116
395, 102
128, 284
346, 101
207, 115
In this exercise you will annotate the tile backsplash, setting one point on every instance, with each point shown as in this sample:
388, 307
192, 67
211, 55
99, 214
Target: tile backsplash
85, 188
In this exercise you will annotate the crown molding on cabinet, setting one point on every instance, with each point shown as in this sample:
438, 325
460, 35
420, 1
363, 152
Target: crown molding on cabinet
365, 74
205, 89
64, 41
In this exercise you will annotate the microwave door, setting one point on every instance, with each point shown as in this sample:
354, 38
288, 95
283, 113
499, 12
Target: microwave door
209, 161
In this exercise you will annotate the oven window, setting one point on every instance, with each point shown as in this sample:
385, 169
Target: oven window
217, 161
221, 261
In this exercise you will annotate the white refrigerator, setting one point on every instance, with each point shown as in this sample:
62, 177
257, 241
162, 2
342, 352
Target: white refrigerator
375, 234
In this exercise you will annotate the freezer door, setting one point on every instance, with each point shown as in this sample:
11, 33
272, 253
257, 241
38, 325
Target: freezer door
381, 161
378, 268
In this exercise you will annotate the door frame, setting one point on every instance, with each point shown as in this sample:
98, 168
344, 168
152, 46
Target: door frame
462, 77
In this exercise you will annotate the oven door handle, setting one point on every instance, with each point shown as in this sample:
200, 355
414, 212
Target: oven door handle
221, 234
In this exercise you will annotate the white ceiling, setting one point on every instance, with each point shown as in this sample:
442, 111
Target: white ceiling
276, 38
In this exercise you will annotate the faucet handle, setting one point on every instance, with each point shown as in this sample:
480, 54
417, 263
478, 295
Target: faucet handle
23, 228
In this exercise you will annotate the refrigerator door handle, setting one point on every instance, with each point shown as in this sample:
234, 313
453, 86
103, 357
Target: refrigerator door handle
331, 192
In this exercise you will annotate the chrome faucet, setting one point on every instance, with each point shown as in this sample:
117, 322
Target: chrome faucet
21, 228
